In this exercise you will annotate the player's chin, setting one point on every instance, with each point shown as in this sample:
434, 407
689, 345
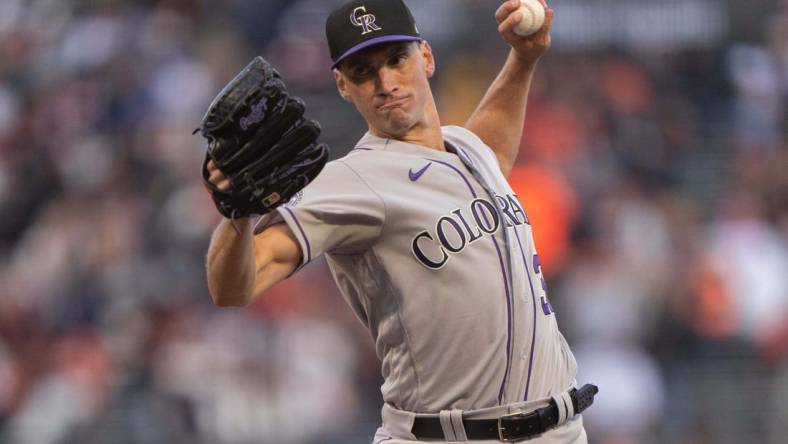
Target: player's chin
398, 129
398, 121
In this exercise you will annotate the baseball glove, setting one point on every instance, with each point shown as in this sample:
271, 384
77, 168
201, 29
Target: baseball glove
258, 138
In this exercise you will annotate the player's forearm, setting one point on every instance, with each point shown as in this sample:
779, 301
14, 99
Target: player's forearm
498, 120
231, 263
278, 254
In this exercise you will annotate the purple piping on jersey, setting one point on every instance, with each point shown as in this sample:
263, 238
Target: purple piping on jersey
533, 300
463, 155
505, 285
508, 318
456, 170
470, 159
303, 234
375, 41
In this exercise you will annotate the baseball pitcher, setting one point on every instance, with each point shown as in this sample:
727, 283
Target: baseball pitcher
423, 235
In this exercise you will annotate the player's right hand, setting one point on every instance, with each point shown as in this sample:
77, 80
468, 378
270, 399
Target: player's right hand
217, 177
529, 48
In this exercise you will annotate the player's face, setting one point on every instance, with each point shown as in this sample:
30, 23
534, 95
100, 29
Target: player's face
389, 85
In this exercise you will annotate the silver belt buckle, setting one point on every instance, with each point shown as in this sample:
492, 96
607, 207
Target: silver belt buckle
501, 428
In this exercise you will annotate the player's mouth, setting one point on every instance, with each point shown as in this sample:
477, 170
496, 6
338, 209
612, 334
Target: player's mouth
395, 103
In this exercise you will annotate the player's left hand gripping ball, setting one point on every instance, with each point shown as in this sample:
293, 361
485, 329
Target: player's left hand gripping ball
260, 141
513, 19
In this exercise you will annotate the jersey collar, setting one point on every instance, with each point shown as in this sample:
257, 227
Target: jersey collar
372, 142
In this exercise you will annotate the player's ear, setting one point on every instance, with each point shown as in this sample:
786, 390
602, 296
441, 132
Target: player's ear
429, 59
341, 85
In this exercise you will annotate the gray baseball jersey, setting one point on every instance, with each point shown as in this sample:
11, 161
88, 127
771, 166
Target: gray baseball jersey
434, 253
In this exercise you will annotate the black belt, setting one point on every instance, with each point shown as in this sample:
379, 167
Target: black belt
509, 428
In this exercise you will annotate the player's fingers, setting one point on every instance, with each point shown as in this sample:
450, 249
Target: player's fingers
224, 185
542, 37
548, 23
505, 9
215, 176
510, 22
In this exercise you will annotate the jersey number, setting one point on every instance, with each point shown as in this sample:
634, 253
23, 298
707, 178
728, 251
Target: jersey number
547, 309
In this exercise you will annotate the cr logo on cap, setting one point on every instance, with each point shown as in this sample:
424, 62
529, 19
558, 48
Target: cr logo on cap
366, 21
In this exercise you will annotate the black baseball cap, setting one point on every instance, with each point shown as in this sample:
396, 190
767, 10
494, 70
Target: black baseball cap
359, 24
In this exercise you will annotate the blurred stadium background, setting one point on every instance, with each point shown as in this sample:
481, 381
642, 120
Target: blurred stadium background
654, 168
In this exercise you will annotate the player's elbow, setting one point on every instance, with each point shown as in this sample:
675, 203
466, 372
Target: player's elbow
229, 298
506, 164
230, 302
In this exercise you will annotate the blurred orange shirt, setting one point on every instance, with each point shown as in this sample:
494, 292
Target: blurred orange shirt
551, 205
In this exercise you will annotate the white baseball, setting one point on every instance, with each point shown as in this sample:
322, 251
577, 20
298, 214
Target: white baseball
533, 17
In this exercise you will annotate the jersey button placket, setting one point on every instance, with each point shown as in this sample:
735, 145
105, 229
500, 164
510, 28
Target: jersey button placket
513, 366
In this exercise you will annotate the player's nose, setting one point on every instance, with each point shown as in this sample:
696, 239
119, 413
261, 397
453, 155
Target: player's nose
386, 81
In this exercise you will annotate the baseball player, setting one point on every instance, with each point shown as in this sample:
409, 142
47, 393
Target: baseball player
427, 242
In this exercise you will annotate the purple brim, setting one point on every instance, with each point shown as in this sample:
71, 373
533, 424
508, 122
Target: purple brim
372, 42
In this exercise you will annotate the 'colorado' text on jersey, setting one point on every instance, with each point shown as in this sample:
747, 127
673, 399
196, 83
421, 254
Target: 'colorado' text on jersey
485, 219
434, 253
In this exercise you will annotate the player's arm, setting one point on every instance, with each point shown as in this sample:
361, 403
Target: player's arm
261, 151
498, 120
242, 266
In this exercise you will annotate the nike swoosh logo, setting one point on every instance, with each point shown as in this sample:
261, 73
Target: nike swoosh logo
415, 176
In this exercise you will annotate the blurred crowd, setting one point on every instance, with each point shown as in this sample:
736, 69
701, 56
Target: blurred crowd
656, 182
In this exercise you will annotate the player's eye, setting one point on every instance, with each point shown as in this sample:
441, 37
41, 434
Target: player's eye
360, 72
398, 58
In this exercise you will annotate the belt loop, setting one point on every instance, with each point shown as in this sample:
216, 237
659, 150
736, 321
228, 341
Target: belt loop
447, 426
566, 410
560, 404
570, 408
459, 428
